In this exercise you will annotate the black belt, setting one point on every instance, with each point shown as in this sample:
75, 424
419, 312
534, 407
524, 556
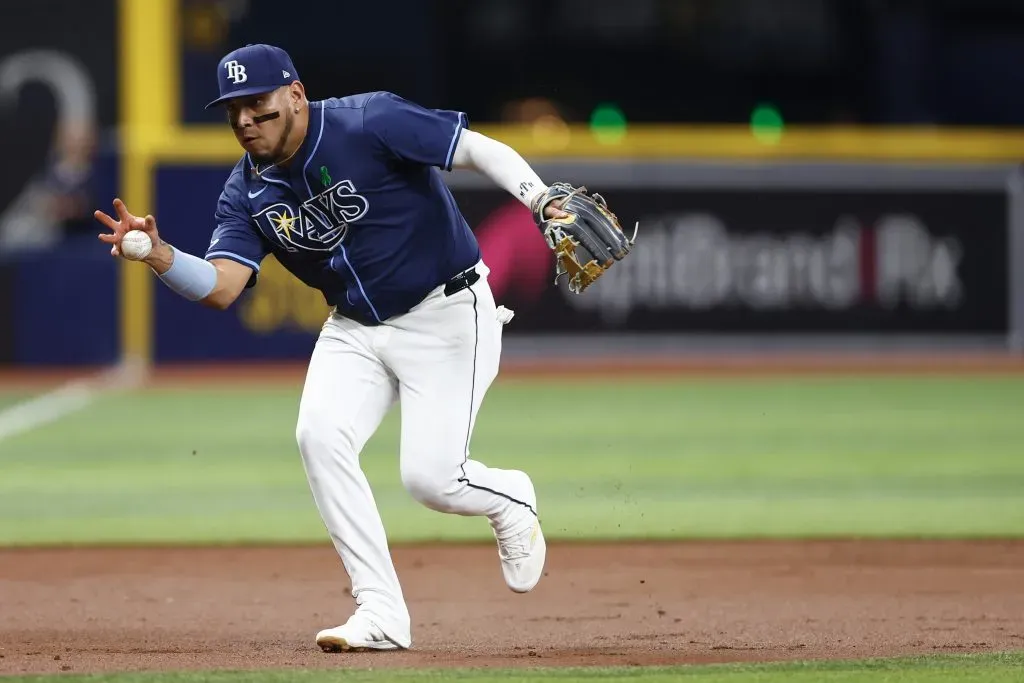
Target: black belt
463, 280
466, 278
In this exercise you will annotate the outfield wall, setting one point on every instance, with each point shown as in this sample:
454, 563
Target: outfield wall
781, 255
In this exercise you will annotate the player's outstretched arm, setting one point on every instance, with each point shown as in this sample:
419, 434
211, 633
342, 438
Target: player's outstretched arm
504, 166
216, 283
573, 222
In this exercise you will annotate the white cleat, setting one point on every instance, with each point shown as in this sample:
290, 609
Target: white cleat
358, 634
522, 557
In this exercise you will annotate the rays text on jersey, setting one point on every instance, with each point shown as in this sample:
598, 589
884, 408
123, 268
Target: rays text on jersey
319, 223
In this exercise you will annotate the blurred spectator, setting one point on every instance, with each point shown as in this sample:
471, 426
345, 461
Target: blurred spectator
531, 110
57, 200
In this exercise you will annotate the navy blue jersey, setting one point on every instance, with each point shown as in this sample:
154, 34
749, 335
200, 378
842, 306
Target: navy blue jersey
361, 213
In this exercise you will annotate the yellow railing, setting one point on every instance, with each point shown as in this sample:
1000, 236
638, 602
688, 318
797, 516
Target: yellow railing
215, 144
148, 85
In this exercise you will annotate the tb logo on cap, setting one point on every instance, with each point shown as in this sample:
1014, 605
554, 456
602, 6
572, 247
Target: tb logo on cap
236, 72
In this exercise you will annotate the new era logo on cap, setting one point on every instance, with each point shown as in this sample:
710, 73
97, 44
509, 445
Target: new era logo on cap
252, 70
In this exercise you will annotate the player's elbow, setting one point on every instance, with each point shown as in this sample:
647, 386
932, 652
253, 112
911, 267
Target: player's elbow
219, 300
232, 278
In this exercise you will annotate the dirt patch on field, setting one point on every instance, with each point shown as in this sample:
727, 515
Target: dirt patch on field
584, 366
90, 610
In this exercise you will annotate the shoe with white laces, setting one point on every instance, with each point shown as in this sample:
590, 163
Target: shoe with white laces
358, 634
522, 557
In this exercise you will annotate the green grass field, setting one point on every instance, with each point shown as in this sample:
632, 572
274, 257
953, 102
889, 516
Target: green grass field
1003, 668
736, 458
658, 459
8, 399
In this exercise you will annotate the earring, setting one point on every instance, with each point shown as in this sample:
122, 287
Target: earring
296, 110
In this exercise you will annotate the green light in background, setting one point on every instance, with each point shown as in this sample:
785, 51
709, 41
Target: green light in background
766, 124
608, 124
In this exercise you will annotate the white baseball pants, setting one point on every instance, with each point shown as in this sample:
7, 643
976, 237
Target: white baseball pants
438, 360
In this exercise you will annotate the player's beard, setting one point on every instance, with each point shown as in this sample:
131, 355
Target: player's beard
278, 154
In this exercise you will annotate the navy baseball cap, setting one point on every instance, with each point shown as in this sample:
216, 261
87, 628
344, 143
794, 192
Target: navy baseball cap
252, 70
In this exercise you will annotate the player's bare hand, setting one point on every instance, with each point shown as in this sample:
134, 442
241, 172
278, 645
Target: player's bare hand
124, 222
554, 210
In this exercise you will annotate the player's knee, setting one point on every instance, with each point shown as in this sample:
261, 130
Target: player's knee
311, 433
305, 435
430, 487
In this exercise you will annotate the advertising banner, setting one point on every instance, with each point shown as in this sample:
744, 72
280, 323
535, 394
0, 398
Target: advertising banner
752, 261
59, 307
767, 261
8, 274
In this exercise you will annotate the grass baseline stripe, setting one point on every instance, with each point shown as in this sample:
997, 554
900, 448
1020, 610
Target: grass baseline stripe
66, 399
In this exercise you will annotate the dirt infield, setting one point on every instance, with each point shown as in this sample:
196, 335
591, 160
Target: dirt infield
90, 610
648, 366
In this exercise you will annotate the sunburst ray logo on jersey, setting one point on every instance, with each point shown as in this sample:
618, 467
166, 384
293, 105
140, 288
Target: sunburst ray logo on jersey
283, 222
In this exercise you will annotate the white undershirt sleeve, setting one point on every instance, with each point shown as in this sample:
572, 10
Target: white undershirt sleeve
500, 163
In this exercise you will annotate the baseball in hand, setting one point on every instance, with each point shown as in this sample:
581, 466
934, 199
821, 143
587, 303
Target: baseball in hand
136, 245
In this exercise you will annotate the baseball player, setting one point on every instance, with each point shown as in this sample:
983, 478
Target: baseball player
348, 195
